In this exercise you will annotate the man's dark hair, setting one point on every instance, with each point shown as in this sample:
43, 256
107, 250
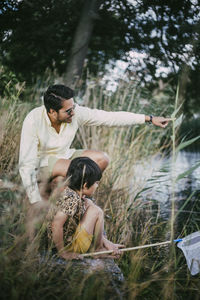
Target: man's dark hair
83, 170
55, 95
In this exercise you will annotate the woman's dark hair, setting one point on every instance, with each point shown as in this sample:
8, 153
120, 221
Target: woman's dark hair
55, 95
83, 170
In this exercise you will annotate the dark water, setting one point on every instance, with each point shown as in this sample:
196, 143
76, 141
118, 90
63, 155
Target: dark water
186, 190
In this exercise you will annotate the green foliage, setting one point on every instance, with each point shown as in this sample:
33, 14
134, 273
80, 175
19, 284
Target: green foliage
8, 83
37, 36
187, 143
190, 129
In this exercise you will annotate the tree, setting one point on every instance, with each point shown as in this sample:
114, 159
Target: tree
40, 34
81, 40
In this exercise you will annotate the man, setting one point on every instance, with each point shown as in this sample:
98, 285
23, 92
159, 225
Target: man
48, 132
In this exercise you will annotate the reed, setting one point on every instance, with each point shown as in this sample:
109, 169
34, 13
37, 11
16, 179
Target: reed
130, 217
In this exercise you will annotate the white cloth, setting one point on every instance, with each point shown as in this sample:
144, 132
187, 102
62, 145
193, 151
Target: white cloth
39, 139
190, 245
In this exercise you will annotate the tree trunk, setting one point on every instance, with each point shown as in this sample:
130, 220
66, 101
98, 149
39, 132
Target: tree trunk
81, 41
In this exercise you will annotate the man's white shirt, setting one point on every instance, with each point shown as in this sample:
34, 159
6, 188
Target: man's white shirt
39, 139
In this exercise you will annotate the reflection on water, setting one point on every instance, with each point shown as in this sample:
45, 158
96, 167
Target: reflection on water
158, 174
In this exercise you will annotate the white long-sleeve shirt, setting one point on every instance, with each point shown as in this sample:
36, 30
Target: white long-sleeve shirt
39, 139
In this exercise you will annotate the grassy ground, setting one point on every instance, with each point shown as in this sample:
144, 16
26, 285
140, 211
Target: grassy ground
154, 273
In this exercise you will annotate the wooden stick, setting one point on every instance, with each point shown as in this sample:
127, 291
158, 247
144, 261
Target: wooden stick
126, 249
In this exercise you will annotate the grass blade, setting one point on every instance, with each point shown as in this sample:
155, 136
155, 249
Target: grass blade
188, 172
187, 143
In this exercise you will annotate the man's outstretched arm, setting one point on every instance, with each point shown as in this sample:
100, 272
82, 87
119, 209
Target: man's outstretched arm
97, 117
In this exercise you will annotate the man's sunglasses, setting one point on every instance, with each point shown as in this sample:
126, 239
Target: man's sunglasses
69, 111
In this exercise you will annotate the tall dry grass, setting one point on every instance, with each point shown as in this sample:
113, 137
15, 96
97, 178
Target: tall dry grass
12, 114
131, 220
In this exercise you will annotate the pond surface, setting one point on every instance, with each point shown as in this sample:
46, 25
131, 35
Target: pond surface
159, 173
